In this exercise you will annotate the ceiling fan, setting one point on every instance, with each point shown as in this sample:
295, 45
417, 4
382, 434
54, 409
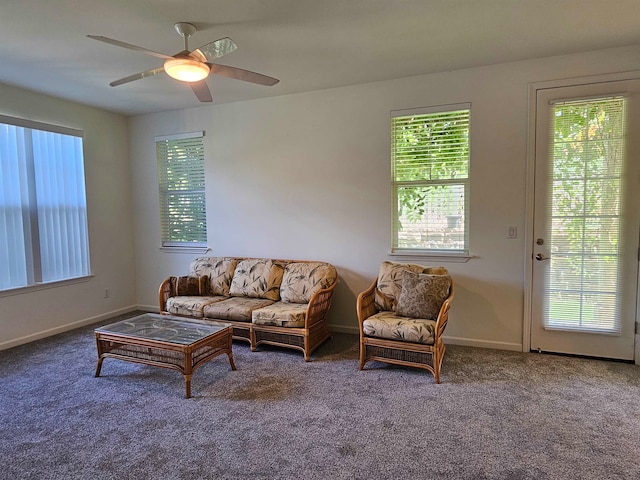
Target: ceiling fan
192, 66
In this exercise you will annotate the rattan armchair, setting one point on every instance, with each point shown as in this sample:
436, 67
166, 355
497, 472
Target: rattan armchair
400, 352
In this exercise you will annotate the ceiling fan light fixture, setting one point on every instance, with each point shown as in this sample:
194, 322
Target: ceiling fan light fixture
186, 69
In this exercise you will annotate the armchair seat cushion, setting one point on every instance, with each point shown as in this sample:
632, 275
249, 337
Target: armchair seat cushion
281, 314
394, 327
235, 308
191, 305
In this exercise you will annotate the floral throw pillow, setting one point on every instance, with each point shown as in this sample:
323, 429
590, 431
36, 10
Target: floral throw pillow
390, 282
422, 294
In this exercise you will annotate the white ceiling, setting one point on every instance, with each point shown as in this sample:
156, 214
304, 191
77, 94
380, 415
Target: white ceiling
307, 44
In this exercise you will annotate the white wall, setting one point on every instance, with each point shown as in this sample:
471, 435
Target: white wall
34, 314
308, 176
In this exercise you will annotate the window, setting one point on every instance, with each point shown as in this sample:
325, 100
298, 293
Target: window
430, 179
43, 206
586, 167
183, 215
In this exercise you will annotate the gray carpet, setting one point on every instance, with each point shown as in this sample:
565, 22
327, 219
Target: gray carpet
497, 415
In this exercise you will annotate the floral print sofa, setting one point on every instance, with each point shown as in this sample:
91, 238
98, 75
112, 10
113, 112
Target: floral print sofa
270, 301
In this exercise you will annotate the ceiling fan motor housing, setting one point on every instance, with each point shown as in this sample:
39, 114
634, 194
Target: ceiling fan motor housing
185, 29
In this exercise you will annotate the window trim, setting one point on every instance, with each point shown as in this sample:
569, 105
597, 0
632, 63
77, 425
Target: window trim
426, 255
46, 127
33, 244
171, 246
463, 255
7, 292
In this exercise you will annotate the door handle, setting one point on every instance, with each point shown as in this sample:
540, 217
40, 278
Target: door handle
540, 257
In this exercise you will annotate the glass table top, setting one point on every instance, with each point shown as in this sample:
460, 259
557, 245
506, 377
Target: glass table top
165, 328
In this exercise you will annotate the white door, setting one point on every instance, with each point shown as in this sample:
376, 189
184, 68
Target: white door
586, 219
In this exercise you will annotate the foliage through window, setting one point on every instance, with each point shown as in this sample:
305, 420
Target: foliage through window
430, 179
43, 207
182, 190
586, 165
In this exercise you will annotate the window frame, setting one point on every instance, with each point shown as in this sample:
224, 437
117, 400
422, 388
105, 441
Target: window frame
454, 255
166, 244
32, 218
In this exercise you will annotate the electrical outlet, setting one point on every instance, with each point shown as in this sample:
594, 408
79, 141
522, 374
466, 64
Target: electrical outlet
107, 293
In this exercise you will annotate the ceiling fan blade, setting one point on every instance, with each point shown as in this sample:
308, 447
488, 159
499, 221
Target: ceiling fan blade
202, 91
137, 76
118, 43
215, 49
240, 74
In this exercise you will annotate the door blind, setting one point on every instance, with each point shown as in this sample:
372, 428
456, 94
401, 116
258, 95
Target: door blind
586, 168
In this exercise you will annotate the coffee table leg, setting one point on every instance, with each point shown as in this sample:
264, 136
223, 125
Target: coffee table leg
187, 379
233, 365
99, 367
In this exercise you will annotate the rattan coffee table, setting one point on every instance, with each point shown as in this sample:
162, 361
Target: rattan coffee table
165, 341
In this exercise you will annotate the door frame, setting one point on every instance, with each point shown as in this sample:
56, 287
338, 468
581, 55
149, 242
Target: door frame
534, 87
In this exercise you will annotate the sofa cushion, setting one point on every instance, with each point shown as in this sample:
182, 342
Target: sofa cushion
257, 278
390, 282
395, 327
302, 279
281, 314
187, 285
219, 271
191, 305
235, 308
422, 294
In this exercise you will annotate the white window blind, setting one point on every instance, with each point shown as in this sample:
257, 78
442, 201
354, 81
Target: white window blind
182, 189
430, 179
586, 171
43, 209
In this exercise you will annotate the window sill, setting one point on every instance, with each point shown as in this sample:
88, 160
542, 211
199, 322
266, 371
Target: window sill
44, 286
190, 250
437, 256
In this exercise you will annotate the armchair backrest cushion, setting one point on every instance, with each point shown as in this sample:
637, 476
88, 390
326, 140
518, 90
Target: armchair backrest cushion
390, 282
422, 295
257, 278
219, 271
302, 279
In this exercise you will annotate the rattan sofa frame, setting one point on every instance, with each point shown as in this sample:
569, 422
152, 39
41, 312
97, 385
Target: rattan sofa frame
306, 339
428, 357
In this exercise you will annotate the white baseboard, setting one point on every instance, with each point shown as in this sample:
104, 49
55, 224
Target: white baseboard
64, 328
467, 342
344, 329
149, 308
472, 342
